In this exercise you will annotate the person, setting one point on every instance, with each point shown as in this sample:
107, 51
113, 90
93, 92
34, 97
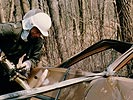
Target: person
24, 38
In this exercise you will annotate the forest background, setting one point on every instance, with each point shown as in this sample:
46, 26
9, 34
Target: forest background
76, 25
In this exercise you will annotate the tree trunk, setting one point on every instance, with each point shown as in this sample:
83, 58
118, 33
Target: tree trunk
124, 12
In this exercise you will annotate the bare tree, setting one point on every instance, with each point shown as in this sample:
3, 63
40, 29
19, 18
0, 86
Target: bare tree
125, 19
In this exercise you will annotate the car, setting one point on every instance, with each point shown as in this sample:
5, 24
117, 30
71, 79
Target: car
61, 83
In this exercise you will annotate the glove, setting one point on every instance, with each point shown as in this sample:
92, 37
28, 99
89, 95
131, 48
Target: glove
25, 68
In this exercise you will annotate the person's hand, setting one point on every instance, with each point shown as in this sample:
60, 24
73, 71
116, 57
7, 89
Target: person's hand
26, 65
25, 68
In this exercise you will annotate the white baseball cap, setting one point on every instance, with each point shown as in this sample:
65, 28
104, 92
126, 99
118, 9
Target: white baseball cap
38, 19
42, 21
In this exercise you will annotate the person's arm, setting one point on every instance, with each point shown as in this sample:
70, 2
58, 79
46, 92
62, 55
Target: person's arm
35, 53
